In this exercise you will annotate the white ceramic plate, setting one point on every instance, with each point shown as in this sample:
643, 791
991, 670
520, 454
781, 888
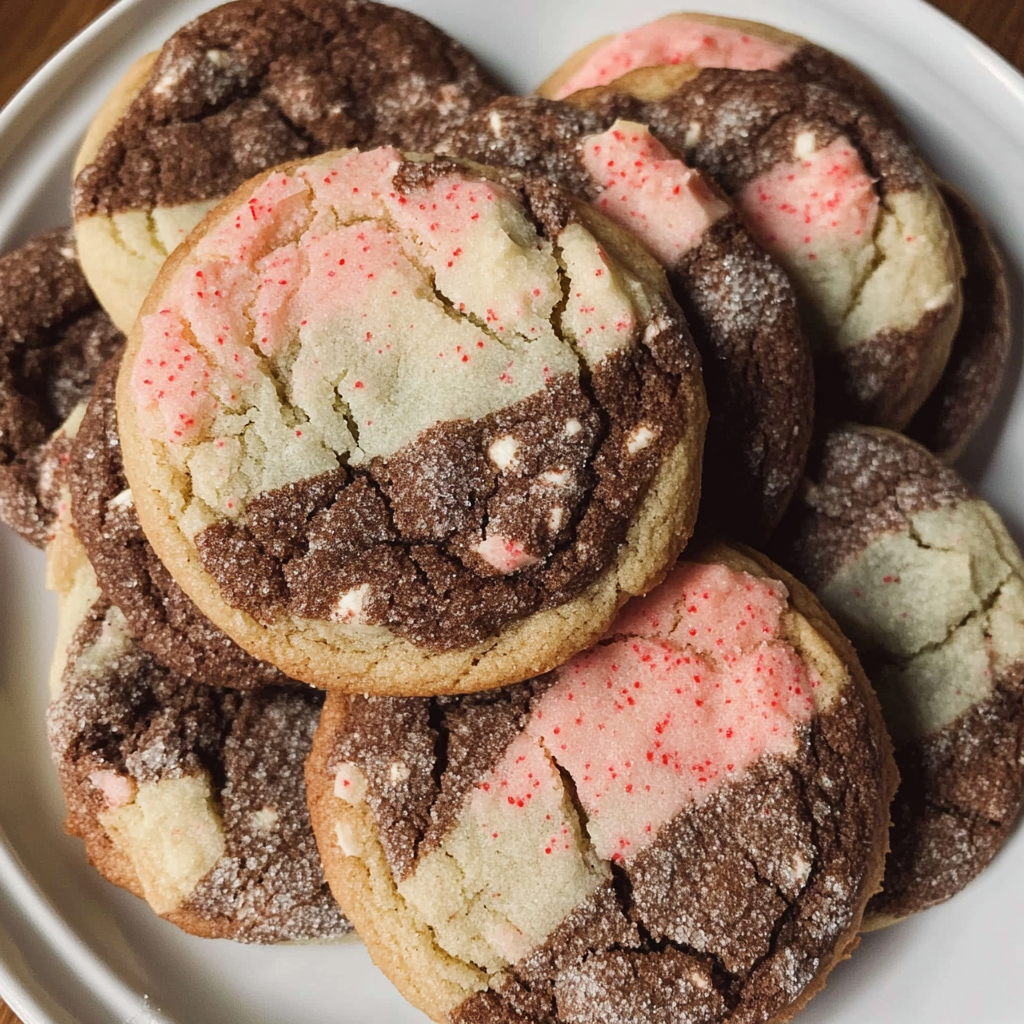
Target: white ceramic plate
74, 949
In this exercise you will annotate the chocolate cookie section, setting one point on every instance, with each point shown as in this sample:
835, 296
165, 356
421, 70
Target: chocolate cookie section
246, 86
738, 301
924, 578
981, 349
707, 41
53, 338
191, 797
684, 822
838, 196
158, 613
389, 404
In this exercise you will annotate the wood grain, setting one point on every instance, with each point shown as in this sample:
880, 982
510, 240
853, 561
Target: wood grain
30, 32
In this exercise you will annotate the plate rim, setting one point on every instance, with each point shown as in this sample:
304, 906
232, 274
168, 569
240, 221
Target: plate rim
20, 896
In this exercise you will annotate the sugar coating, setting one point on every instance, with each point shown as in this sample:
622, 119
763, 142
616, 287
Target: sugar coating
666, 204
676, 40
694, 687
941, 602
331, 318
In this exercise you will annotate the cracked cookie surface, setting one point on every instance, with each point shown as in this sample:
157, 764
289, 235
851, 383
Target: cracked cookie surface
738, 301
928, 584
243, 87
387, 418
191, 797
685, 820
839, 197
53, 339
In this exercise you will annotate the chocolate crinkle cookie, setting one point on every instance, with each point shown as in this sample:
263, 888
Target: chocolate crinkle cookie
238, 90
165, 621
737, 299
53, 338
192, 797
683, 823
395, 425
837, 194
924, 578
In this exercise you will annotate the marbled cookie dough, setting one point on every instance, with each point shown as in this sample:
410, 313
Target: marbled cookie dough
925, 580
708, 41
738, 301
53, 338
159, 614
981, 349
241, 88
189, 796
371, 439
683, 823
839, 197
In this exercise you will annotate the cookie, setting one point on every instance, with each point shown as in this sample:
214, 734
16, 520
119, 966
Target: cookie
241, 88
158, 613
981, 349
189, 796
923, 577
53, 338
738, 301
683, 823
839, 197
372, 441
708, 41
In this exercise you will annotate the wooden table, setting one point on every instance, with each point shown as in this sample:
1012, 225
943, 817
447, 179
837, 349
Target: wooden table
33, 31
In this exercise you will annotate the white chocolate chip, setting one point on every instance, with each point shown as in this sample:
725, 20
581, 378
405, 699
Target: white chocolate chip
494, 120
503, 451
572, 427
122, 500
556, 478
398, 771
349, 607
264, 819
798, 870
804, 145
692, 135
639, 439
348, 841
555, 518
350, 783
218, 58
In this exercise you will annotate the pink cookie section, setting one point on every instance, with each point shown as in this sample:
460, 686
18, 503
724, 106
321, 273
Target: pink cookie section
825, 199
666, 204
676, 40
691, 687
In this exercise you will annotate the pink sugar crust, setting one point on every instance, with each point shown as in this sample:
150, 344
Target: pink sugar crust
826, 197
676, 40
691, 686
247, 267
666, 204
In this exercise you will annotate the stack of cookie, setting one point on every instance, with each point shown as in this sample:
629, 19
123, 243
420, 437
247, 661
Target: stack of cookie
425, 393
